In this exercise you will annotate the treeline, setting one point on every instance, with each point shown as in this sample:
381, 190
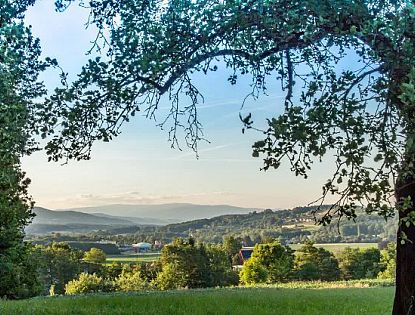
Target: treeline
288, 226
61, 269
273, 262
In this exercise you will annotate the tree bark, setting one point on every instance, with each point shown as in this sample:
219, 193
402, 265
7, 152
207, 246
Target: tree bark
404, 303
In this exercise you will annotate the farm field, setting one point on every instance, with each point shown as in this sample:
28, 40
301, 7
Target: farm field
133, 258
262, 300
335, 248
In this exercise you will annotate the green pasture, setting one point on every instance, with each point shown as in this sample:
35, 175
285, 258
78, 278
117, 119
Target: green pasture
256, 301
133, 258
335, 248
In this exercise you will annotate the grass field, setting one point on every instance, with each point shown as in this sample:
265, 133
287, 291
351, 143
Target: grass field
335, 248
257, 301
133, 258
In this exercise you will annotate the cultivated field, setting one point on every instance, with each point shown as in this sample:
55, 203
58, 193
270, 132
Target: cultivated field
257, 301
133, 258
335, 248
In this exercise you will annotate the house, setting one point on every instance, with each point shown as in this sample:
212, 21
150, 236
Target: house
245, 253
141, 247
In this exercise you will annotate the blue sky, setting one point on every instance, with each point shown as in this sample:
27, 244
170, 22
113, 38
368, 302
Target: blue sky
140, 167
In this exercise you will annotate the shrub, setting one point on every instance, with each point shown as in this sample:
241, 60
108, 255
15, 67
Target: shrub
388, 262
171, 277
253, 272
88, 283
130, 280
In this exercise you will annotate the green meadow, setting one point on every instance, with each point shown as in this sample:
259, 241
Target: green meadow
256, 300
133, 258
336, 248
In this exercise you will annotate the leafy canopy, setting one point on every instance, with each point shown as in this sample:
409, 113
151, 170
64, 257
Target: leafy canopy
363, 116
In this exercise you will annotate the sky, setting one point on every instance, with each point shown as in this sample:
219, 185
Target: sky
140, 167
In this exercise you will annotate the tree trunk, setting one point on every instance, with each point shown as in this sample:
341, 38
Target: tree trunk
404, 303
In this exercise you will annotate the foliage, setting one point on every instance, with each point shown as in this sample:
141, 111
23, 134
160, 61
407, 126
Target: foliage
187, 262
220, 267
59, 264
187, 265
276, 258
388, 262
19, 88
356, 263
95, 255
87, 283
313, 263
130, 280
231, 245
253, 272
277, 261
18, 272
156, 53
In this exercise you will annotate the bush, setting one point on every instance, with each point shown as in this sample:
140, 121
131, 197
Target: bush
171, 277
253, 272
88, 283
388, 262
130, 280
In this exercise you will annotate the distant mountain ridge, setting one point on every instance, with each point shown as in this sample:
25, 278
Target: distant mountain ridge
87, 219
171, 212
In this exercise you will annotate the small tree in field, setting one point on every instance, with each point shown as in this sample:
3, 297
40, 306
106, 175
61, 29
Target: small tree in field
363, 115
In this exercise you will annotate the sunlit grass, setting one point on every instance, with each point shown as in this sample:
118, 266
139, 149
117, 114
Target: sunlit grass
133, 258
336, 248
261, 300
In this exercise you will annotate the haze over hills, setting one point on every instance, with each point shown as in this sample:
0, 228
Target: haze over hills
110, 217
47, 221
172, 212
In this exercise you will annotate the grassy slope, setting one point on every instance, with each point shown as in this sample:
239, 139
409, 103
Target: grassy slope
350, 301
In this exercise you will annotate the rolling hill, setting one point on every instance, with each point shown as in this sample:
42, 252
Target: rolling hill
170, 213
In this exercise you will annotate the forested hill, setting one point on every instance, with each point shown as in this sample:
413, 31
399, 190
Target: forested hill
289, 225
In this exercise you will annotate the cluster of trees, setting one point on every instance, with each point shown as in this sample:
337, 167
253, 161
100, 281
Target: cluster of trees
274, 262
59, 268
183, 264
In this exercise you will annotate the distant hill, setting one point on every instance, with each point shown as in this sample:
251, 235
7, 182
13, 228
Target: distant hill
46, 216
47, 221
172, 213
